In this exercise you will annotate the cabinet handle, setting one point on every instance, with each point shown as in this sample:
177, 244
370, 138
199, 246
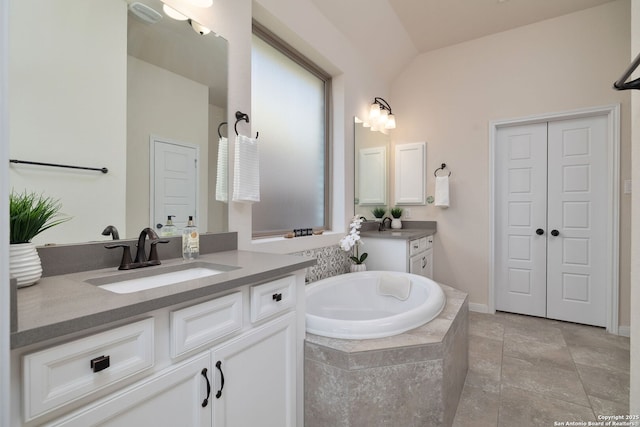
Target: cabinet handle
219, 366
205, 402
424, 262
100, 363
277, 297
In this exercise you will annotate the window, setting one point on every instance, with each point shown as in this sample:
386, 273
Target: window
290, 110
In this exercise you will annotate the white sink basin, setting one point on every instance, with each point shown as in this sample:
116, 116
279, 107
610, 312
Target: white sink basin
142, 280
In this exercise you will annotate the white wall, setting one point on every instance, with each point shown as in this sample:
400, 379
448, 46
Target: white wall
55, 110
635, 224
171, 107
448, 97
354, 86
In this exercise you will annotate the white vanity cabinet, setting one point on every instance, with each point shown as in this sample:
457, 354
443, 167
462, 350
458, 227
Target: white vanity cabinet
232, 360
397, 254
173, 397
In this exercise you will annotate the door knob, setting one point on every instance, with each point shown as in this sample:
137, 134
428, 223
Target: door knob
539, 231
555, 232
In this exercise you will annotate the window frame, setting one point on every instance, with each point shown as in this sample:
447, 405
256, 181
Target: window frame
286, 49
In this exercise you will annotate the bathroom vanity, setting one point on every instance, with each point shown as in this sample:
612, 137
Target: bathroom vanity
194, 353
408, 250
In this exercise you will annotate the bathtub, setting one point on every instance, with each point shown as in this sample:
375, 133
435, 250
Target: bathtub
349, 306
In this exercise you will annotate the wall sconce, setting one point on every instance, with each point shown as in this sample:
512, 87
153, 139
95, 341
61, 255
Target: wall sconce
380, 115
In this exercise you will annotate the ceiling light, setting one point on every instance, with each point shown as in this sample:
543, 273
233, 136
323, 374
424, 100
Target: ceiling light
172, 13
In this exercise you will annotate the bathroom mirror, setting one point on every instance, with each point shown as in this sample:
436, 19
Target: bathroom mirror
92, 85
371, 168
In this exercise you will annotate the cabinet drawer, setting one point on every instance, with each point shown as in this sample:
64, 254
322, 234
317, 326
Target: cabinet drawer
66, 372
203, 323
272, 297
415, 247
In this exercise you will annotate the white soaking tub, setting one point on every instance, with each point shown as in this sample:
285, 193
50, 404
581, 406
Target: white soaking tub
352, 306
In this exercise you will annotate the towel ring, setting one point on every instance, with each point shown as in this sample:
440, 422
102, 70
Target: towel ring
242, 116
219, 126
441, 168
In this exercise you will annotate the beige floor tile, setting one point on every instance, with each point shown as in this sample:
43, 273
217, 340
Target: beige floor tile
534, 349
607, 407
527, 409
612, 358
581, 335
604, 383
485, 357
545, 379
478, 407
486, 326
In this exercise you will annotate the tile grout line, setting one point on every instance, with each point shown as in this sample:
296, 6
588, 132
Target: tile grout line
579, 375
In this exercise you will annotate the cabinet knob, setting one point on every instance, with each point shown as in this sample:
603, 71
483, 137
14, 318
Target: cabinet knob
277, 297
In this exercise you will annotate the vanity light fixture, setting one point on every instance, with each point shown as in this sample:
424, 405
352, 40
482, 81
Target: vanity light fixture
172, 13
380, 115
198, 27
144, 12
200, 3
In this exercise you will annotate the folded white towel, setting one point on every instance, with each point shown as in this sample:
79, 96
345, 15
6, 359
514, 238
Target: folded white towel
246, 171
442, 192
395, 286
222, 186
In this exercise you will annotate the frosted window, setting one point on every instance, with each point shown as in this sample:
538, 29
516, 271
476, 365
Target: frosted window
289, 112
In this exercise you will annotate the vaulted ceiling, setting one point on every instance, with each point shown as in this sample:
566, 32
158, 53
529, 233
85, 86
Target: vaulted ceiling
395, 31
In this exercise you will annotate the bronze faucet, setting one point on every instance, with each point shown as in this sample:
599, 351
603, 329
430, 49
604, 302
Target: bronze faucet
382, 226
141, 257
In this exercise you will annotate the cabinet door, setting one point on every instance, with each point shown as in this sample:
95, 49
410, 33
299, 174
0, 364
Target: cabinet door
173, 397
259, 369
410, 177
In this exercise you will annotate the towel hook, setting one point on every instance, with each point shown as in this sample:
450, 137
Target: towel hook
219, 126
442, 167
242, 116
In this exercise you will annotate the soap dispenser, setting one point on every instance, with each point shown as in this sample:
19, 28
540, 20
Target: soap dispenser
169, 228
190, 241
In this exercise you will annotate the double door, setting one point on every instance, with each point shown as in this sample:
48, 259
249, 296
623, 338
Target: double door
551, 210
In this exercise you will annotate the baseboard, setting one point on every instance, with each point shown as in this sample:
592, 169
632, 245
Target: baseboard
624, 331
478, 308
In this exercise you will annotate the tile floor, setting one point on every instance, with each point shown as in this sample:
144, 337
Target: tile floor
526, 371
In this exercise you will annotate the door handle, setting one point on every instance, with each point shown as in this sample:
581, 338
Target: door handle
539, 231
555, 233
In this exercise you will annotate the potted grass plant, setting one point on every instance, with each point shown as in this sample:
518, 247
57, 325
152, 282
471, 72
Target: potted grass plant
29, 215
396, 213
378, 212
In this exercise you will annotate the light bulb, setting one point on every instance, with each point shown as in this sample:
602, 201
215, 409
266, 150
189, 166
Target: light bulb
374, 112
391, 122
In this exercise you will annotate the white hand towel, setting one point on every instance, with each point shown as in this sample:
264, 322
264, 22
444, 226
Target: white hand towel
442, 192
394, 286
222, 186
246, 171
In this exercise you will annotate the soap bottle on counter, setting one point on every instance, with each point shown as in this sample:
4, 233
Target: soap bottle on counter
190, 241
169, 228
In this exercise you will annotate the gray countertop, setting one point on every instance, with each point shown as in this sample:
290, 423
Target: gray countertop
64, 304
406, 234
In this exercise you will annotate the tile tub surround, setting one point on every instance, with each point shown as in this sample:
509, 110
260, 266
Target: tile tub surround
411, 380
331, 261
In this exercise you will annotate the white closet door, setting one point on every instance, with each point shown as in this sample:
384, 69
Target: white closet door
577, 199
521, 209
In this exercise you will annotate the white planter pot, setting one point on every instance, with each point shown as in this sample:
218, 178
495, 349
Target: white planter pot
358, 267
396, 223
24, 263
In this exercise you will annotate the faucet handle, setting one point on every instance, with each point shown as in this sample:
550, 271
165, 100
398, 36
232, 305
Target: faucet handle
125, 262
153, 253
